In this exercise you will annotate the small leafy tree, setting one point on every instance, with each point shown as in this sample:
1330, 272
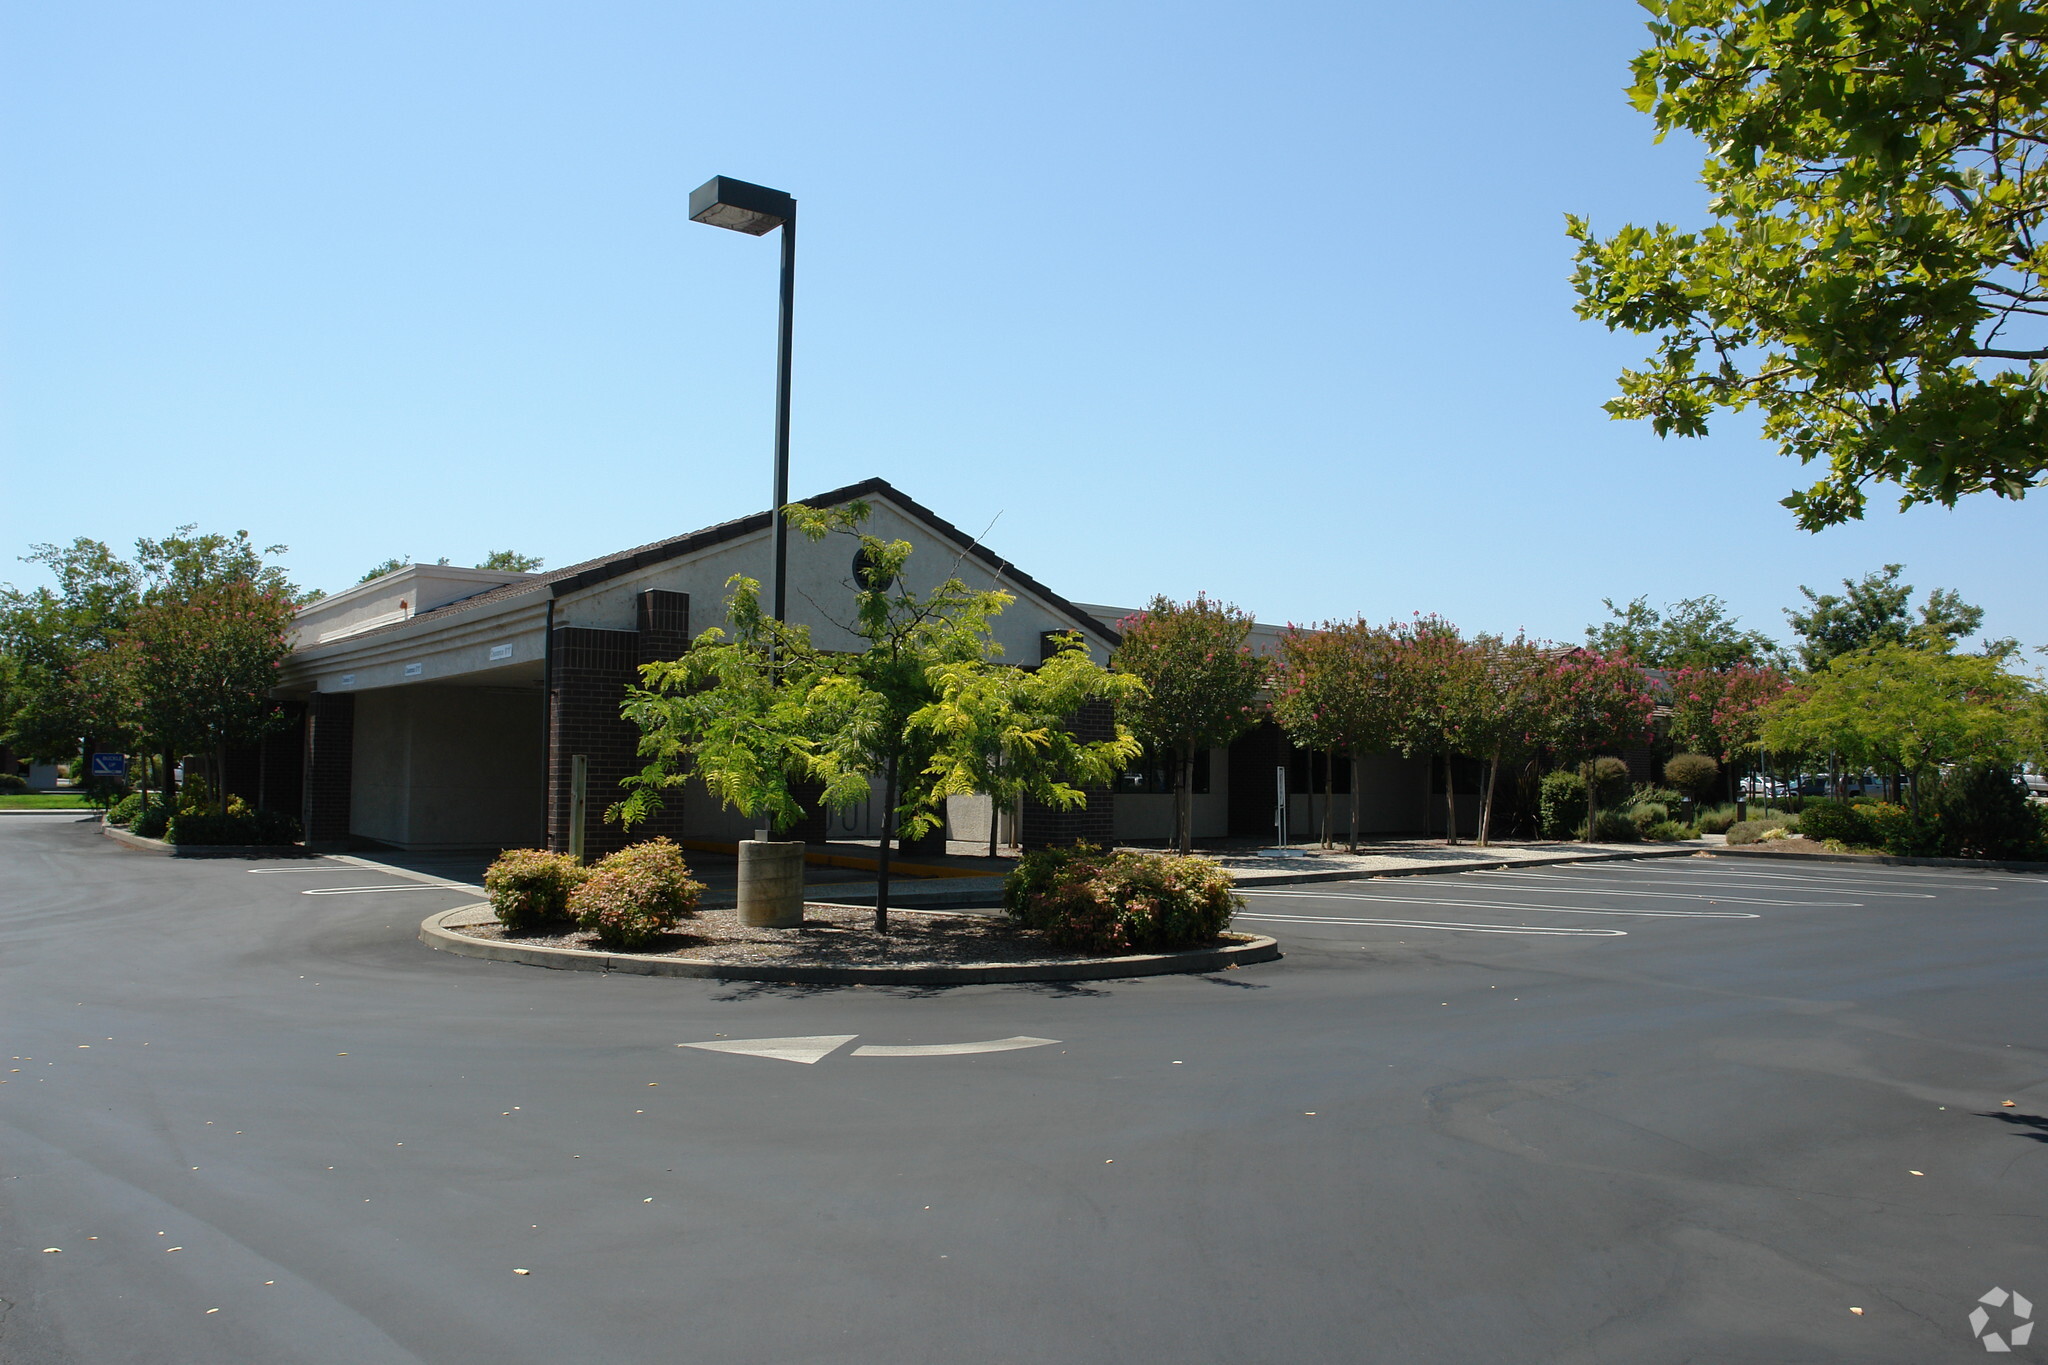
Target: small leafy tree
1717, 712
1438, 675
1697, 632
49, 631
511, 561
1596, 701
1497, 700
1201, 687
1876, 610
1340, 686
915, 709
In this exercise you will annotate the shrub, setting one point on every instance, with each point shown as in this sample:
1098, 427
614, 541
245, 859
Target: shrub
530, 886
1610, 779
1669, 832
1899, 832
124, 811
1717, 820
151, 821
12, 784
1692, 774
1615, 827
1825, 820
635, 895
1643, 814
242, 826
1984, 813
1085, 899
1561, 804
1756, 831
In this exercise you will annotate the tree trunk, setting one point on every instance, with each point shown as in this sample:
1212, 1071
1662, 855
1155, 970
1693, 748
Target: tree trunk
170, 780
1329, 791
888, 838
1486, 801
1357, 766
1450, 804
1184, 801
1592, 801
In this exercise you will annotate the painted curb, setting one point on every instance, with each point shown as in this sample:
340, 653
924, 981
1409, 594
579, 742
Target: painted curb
1881, 859
1255, 948
164, 850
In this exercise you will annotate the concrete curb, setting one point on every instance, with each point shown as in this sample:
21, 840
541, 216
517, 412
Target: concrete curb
1881, 859
1253, 948
164, 850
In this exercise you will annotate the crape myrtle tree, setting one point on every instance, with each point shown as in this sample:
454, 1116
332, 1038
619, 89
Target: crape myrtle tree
1872, 279
1499, 699
1201, 687
1433, 664
757, 713
1718, 712
1596, 702
1339, 686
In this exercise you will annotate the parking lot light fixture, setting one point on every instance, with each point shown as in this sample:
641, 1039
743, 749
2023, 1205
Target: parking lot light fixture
757, 210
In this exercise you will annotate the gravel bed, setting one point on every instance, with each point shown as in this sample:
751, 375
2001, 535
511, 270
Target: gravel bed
829, 936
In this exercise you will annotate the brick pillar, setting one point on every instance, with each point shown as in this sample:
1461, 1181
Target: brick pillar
329, 769
593, 669
1044, 827
664, 621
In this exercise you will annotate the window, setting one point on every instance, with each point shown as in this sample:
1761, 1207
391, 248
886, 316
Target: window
1154, 776
1306, 770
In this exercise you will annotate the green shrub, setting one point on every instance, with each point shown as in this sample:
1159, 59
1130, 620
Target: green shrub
1825, 820
1899, 832
1692, 774
1717, 820
1610, 778
1669, 832
1753, 831
635, 895
124, 811
151, 820
1561, 804
1615, 827
1643, 814
528, 887
244, 826
12, 784
1085, 899
1983, 813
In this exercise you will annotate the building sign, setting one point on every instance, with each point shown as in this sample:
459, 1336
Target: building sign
414, 670
110, 765
501, 651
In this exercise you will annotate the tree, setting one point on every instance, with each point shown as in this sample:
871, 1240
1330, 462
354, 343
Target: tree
1004, 732
1876, 610
1202, 685
183, 564
203, 663
1717, 712
1498, 703
1911, 710
1595, 702
48, 631
395, 563
511, 561
1337, 687
1435, 668
916, 708
1697, 632
1871, 281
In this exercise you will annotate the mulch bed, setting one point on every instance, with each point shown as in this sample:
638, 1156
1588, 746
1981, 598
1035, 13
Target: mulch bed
1799, 843
829, 936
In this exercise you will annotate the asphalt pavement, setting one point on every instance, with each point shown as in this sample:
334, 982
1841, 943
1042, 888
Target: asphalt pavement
1680, 1110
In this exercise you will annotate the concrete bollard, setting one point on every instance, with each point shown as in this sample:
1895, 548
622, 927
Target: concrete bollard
771, 891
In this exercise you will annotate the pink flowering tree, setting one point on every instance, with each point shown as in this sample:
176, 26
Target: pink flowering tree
1335, 688
1497, 701
1720, 711
1435, 666
1202, 685
1597, 702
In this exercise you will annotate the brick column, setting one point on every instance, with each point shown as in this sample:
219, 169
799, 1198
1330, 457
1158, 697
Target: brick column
664, 622
593, 669
1044, 827
329, 769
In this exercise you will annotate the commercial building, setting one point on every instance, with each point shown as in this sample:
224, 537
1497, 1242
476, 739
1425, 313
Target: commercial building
443, 708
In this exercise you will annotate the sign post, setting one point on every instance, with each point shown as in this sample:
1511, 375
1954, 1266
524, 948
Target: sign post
1280, 810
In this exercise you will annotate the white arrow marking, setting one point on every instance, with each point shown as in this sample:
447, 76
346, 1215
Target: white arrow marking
805, 1050
951, 1049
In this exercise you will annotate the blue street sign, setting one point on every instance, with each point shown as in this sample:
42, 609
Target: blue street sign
110, 765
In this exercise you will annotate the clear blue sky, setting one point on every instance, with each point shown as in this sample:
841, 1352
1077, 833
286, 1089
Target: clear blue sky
1269, 301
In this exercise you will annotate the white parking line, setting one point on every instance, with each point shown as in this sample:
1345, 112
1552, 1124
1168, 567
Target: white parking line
1512, 905
1534, 930
1845, 877
1701, 880
365, 890
1539, 890
950, 1049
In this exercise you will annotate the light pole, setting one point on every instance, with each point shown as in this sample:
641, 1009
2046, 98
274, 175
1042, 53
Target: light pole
756, 210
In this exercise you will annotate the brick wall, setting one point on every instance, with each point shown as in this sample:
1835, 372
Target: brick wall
1044, 827
329, 768
592, 670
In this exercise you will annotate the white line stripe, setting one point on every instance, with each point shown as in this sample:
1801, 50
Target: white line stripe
1692, 881
1518, 905
1847, 876
951, 1049
1538, 890
364, 890
1539, 931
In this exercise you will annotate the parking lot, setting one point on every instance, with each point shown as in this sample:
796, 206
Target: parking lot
1656, 1110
